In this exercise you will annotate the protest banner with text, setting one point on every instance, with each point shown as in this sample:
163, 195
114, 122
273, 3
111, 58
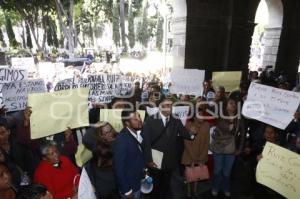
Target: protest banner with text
271, 105
279, 169
15, 94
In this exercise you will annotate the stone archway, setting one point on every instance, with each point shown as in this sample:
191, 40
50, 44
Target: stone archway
266, 37
273, 32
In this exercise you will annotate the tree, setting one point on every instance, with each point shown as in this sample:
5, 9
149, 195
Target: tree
2, 42
32, 12
122, 23
67, 26
116, 25
159, 33
54, 33
143, 33
28, 37
10, 33
131, 34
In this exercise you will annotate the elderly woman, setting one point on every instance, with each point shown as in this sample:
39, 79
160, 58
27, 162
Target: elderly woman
57, 173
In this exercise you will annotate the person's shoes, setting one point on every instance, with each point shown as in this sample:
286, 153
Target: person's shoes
214, 193
227, 194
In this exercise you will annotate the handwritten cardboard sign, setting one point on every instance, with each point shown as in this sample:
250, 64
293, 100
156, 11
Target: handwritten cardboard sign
271, 105
187, 81
54, 112
279, 169
229, 79
10, 75
15, 94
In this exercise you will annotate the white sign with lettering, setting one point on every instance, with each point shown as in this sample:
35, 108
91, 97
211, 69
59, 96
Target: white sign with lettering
271, 105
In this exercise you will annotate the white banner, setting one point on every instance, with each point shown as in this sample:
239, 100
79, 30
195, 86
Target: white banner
271, 105
187, 81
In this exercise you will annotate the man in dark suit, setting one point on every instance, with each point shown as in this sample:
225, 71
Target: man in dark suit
128, 157
160, 133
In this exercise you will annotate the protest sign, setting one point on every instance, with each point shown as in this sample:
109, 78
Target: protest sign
15, 93
104, 87
26, 63
125, 87
10, 75
179, 112
187, 81
271, 105
54, 112
85, 188
229, 79
152, 111
65, 84
113, 116
71, 83
279, 169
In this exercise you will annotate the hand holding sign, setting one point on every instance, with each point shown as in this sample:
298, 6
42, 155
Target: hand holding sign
279, 169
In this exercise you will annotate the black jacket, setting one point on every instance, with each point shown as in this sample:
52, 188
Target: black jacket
168, 142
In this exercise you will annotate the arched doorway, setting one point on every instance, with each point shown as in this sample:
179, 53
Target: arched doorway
266, 37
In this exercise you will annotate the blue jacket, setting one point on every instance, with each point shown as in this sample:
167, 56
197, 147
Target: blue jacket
128, 162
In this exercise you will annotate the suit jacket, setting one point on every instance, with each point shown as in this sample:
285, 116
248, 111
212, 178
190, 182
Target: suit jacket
129, 162
168, 143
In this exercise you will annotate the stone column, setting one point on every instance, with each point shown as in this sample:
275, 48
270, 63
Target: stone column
178, 28
271, 43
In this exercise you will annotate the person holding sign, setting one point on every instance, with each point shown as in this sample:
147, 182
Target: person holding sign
160, 134
227, 141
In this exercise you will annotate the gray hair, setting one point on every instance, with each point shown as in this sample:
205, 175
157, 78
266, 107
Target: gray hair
45, 147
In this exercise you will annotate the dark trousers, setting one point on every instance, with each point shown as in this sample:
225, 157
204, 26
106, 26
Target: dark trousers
161, 182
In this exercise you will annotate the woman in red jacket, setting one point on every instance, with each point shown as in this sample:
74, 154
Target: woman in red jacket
57, 173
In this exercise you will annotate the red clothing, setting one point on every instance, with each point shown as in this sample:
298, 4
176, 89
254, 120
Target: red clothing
210, 120
59, 181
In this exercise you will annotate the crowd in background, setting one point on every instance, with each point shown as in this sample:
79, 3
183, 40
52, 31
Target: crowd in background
46, 168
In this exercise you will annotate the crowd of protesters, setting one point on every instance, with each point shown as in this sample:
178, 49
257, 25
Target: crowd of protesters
225, 149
